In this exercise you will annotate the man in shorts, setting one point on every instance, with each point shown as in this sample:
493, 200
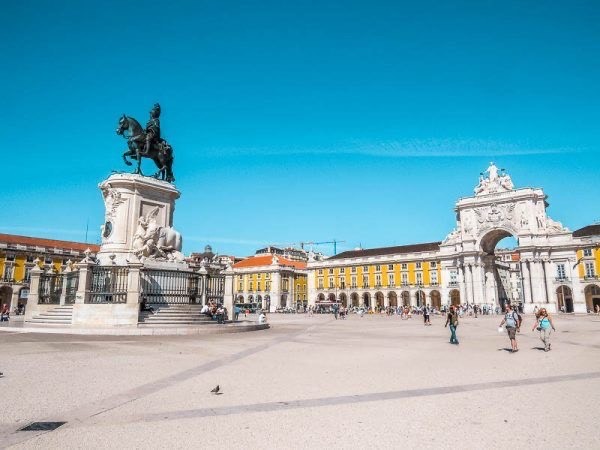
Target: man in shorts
511, 319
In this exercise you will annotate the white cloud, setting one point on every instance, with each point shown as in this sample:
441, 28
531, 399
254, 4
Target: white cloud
411, 148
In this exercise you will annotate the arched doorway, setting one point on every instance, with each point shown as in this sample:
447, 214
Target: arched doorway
592, 297
420, 298
240, 299
455, 297
283, 300
501, 266
5, 295
393, 299
564, 298
259, 300
379, 302
250, 298
355, 299
321, 298
344, 299
367, 299
267, 304
435, 300
405, 298
331, 298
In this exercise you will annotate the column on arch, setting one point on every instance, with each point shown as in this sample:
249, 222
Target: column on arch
462, 284
525, 281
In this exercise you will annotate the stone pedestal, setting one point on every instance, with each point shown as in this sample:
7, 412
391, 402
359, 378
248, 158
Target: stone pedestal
127, 197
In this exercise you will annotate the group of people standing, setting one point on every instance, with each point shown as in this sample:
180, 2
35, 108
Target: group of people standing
512, 321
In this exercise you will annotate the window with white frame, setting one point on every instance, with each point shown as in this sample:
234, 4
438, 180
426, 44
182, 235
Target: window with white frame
251, 286
587, 252
419, 278
404, 266
433, 277
353, 270
342, 270
353, 281
561, 273
391, 282
342, 283
320, 272
378, 280
330, 282
320, 283
365, 281
453, 277
404, 276
590, 271
8, 271
433, 265
390, 267
365, 268
418, 265
377, 268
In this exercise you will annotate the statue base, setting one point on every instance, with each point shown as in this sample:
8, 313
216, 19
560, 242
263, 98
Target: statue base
129, 201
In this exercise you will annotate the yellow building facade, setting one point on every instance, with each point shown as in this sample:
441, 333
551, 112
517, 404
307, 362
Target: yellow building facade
588, 264
378, 278
271, 282
20, 254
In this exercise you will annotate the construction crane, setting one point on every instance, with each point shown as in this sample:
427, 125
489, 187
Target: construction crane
334, 242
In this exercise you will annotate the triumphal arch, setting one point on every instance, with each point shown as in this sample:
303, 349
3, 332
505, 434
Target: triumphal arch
495, 211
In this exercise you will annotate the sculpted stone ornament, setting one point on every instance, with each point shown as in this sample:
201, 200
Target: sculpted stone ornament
494, 183
147, 143
152, 241
112, 200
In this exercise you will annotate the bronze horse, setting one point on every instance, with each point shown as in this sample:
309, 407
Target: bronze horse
160, 152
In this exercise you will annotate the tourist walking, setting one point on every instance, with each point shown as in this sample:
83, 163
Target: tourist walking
511, 319
545, 326
426, 313
452, 320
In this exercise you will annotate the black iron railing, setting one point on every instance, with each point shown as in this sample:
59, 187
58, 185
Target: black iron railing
169, 286
108, 285
72, 282
50, 288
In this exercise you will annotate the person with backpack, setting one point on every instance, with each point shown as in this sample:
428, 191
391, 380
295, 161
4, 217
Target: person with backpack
452, 319
513, 323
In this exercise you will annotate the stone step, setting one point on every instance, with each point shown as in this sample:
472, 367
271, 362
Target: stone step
177, 324
152, 319
60, 315
49, 321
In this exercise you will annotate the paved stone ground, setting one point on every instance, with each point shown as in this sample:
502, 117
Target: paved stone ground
308, 382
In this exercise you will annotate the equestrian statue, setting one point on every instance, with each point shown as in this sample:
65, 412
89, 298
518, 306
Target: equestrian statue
147, 143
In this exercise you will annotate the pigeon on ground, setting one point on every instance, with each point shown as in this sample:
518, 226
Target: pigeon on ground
216, 390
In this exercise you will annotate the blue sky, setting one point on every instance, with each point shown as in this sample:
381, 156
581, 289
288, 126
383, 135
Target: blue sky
360, 121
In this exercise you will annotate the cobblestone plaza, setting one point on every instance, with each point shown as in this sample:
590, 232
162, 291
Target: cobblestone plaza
308, 382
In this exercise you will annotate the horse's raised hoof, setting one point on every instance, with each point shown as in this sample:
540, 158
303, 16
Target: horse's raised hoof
127, 162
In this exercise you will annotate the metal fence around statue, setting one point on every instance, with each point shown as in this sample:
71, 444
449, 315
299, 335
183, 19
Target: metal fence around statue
169, 286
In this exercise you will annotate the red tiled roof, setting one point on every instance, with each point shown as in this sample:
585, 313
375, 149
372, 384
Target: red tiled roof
266, 260
14, 239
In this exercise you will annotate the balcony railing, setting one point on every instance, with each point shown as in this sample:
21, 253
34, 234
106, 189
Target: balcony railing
453, 284
561, 279
590, 277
